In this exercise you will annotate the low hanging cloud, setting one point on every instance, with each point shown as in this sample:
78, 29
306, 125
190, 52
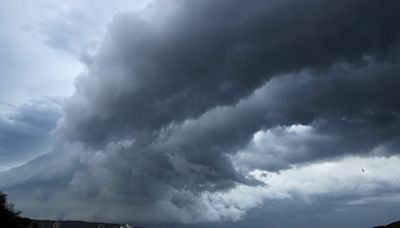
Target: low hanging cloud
184, 101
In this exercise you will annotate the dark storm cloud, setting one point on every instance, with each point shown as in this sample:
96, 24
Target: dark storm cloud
347, 111
173, 78
174, 93
152, 72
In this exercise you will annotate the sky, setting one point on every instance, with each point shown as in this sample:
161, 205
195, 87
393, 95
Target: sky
279, 113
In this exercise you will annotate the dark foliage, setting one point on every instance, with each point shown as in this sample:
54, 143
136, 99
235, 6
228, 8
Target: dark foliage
11, 218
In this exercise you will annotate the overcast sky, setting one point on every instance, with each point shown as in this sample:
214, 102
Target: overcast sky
279, 113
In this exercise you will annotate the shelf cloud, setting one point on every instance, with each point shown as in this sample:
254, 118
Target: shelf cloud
188, 103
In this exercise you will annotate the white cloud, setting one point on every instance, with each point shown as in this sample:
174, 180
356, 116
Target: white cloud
342, 181
276, 148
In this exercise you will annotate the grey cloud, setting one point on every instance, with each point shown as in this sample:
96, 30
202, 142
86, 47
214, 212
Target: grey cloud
209, 54
322, 212
186, 159
177, 86
26, 132
349, 111
176, 92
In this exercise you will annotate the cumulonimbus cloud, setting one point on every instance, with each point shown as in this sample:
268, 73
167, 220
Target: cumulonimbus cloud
174, 94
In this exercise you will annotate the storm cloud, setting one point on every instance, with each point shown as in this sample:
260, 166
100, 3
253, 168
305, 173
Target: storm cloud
185, 100
181, 59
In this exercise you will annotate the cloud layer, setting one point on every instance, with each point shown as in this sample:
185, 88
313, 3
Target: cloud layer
185, 100
26, 133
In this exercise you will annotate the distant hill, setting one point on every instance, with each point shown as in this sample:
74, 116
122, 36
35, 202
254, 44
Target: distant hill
74, 224
391, 225
77, 224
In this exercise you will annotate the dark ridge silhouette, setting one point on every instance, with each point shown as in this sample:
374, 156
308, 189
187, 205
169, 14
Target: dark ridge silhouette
79, 224
391, 225
74, 224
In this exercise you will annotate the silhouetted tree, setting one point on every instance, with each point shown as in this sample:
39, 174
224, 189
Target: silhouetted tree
9, 217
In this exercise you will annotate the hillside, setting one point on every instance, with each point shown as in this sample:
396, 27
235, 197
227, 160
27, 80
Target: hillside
391, 225
74, 224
